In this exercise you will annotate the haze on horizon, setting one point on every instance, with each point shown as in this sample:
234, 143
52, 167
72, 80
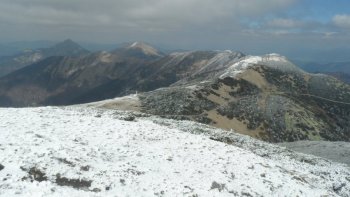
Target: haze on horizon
254, 26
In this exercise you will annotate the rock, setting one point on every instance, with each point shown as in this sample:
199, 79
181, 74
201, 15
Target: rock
96, 190
35, 174
85, 168
338, 186
75, 183
129, 118
218, 186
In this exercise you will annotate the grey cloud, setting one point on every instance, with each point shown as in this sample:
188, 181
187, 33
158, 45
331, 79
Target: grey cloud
154, 13
162, 21
192, 24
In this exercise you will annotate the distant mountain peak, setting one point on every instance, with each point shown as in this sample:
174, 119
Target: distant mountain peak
67, 43
65, 48
135, 44
69, 40
139, 44
145, 48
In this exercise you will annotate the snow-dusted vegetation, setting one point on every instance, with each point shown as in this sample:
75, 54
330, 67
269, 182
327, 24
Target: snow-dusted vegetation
77, 151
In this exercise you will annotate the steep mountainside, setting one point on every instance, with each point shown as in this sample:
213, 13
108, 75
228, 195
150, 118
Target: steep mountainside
69, 80
102, 75
27, 57
178, 68
265, 97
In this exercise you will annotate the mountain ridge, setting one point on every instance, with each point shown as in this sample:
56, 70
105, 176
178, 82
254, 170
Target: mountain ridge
267, 97
60, 80
29, 56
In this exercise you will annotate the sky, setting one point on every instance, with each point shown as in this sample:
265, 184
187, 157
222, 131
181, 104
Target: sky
256, 26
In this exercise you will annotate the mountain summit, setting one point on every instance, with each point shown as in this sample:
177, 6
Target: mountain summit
272, 60
144, 48
66, 48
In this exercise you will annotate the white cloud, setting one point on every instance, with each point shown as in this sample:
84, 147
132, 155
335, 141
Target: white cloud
285, 23
342, 20
330, 34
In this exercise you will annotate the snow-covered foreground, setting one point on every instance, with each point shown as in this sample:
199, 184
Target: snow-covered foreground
89, 152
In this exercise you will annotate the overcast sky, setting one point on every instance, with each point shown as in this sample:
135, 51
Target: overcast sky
246, 25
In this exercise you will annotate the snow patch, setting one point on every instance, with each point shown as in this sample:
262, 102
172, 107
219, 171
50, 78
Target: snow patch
134, 44
274, 57
241, 66
146, 49
105, 57
272, 60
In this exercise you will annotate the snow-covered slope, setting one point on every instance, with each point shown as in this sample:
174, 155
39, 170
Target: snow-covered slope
89, 152
145, 48
272, 60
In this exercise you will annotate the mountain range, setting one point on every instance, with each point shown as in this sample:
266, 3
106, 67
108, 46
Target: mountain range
62, 80
67, 48
266, 97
